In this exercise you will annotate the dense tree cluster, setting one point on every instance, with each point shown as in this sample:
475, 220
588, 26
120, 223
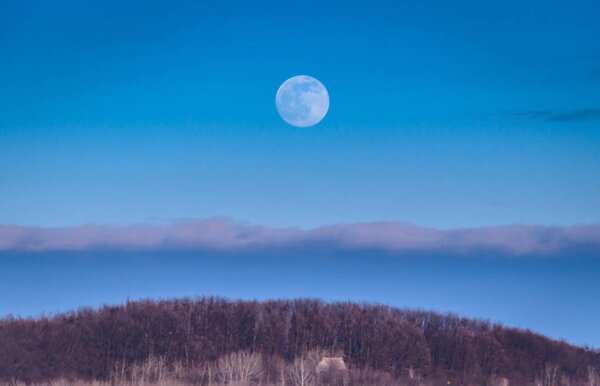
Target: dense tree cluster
388, 343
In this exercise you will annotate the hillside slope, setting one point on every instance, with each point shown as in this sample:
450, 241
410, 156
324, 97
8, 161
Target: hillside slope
379, 344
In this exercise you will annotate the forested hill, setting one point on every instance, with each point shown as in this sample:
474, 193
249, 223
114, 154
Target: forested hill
190, 338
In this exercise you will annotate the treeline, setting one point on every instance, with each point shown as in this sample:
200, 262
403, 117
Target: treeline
375, 341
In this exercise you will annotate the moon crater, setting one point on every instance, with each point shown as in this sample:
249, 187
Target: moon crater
302, 101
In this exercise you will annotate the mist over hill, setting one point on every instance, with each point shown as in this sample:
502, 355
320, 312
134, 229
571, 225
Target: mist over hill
212, 340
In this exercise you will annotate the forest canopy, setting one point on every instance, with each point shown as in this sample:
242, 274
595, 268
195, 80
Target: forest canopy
392, 344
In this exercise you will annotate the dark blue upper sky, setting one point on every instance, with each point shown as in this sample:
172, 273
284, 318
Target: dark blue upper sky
442, 114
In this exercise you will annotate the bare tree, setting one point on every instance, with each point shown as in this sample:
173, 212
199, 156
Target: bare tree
302, 372
152, 370
549, 376
181, 340
240, 367
593, 378
498, 381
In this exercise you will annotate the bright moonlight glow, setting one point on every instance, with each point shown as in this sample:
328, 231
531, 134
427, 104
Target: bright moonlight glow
302, 101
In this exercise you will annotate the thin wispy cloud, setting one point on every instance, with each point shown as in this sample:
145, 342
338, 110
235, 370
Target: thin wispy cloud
225, 234
579, 115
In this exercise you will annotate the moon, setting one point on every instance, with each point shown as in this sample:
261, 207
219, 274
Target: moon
302, 101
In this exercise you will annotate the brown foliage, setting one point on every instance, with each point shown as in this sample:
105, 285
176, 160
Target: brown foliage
197, 339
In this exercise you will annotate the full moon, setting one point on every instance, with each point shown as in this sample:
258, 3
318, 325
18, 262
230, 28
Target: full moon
302, 101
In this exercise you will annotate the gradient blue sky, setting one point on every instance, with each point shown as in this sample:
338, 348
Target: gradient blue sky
442, 114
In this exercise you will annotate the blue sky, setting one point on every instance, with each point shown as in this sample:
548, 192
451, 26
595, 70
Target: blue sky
442, 114
557, 296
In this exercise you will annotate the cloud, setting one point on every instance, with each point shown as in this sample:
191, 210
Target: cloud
225, 234
579, 115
